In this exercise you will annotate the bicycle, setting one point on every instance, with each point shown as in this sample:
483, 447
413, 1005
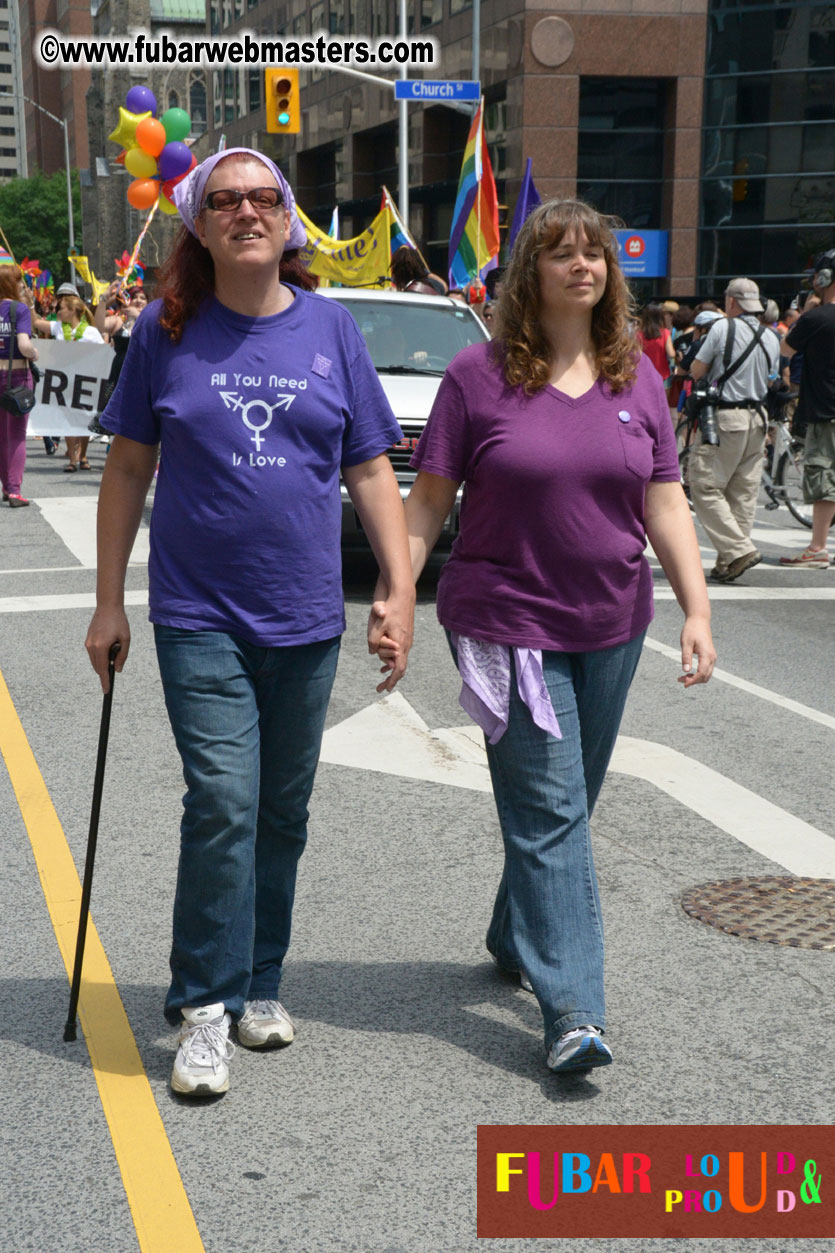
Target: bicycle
782, 477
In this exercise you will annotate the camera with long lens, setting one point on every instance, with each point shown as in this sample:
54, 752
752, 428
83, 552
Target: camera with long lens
702, 405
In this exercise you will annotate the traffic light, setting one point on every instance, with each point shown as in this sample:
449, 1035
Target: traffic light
281, 93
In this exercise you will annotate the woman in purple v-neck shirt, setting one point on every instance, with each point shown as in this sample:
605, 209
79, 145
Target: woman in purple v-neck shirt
560, 433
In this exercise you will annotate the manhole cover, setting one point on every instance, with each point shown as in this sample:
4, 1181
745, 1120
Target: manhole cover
796, 912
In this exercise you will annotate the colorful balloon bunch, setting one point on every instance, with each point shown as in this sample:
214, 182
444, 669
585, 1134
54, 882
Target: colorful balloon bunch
153, 150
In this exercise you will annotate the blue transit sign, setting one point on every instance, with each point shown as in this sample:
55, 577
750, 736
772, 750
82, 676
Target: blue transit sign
642, 254
435, 89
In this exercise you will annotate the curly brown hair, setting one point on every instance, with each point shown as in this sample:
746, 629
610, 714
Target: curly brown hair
519, 341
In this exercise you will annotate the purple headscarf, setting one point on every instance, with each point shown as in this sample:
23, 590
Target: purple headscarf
188, 194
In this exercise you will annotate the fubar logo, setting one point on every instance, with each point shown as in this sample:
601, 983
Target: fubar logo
655, 1181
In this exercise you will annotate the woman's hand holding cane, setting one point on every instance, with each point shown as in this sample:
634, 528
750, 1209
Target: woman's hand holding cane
109, 629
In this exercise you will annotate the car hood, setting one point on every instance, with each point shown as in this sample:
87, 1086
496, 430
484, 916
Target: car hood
410, 395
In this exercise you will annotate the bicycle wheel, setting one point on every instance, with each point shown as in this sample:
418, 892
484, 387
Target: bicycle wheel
684, 441
788, 482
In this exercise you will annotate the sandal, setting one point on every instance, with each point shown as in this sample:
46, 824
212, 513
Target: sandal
84, 464
71, 468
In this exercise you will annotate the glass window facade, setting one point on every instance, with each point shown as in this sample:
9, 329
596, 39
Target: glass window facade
429, 12
768, 153
255, 79
620, 147
197, 102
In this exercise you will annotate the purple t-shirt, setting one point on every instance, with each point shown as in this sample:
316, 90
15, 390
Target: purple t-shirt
23, 325
550, 550
255, 416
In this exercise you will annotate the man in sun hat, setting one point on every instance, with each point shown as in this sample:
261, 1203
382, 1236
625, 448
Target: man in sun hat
725, 477
702, 323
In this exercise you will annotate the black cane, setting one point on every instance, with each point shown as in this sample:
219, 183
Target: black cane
70, 1030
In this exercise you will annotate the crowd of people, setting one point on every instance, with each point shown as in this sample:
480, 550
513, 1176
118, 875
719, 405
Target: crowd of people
64, 316
747, 351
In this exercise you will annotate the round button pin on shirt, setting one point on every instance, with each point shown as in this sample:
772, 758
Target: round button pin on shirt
625, 415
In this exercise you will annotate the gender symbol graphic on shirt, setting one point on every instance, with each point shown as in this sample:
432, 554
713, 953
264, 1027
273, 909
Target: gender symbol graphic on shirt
233, 400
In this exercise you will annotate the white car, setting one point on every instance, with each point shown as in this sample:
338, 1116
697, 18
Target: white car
412, 340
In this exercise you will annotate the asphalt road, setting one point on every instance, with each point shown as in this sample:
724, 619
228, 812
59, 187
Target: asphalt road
361, 1136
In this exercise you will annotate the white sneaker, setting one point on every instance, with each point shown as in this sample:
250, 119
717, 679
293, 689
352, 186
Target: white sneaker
265, 1025
200, 1067
580, 1049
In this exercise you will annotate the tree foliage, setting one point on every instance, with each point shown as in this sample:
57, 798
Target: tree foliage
33, 215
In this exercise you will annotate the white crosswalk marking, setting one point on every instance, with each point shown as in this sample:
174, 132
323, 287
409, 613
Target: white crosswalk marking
390, 737
67, 600
722, 591
73, 519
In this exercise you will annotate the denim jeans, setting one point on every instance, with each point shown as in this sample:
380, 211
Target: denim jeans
248, 723
546, 919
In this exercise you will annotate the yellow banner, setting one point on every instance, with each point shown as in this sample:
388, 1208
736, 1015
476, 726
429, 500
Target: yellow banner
82, 266
359, 262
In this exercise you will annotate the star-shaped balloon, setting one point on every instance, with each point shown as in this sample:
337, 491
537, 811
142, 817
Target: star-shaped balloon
125, 132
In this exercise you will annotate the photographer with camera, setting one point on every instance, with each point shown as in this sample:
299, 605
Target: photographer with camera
813, 336
731, 370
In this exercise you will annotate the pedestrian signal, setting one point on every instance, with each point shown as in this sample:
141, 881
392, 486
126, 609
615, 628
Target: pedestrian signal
281, 92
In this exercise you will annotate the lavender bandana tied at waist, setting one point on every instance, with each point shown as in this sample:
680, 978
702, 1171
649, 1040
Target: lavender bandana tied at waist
485, 685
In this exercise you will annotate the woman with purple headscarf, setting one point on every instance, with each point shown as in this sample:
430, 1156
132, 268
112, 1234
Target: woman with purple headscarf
259, 394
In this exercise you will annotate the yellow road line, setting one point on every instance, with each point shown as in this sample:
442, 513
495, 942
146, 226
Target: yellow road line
159, 1206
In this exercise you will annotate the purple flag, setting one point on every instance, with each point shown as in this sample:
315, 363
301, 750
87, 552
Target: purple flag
529, 198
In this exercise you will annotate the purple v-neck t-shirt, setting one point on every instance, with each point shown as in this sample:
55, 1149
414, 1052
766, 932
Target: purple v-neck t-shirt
551, 542
254, 417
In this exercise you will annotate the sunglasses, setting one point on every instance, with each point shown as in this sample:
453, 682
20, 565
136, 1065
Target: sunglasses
230, 198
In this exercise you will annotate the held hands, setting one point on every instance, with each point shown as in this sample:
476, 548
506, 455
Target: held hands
390, 632
696, 639
108, 627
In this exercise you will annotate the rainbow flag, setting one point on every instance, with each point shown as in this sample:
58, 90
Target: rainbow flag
474, 238
6, 257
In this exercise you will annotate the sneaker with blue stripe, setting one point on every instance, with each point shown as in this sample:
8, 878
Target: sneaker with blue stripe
579, 1049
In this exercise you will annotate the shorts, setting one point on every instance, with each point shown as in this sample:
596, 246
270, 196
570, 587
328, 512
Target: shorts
819, 463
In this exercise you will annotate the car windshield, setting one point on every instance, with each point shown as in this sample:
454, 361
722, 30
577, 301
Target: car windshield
410, 338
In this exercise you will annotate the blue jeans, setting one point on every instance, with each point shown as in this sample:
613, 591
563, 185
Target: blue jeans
248, 723
546, 919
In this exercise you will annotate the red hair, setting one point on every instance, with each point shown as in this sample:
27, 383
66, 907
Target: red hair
10, 276
187, 280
